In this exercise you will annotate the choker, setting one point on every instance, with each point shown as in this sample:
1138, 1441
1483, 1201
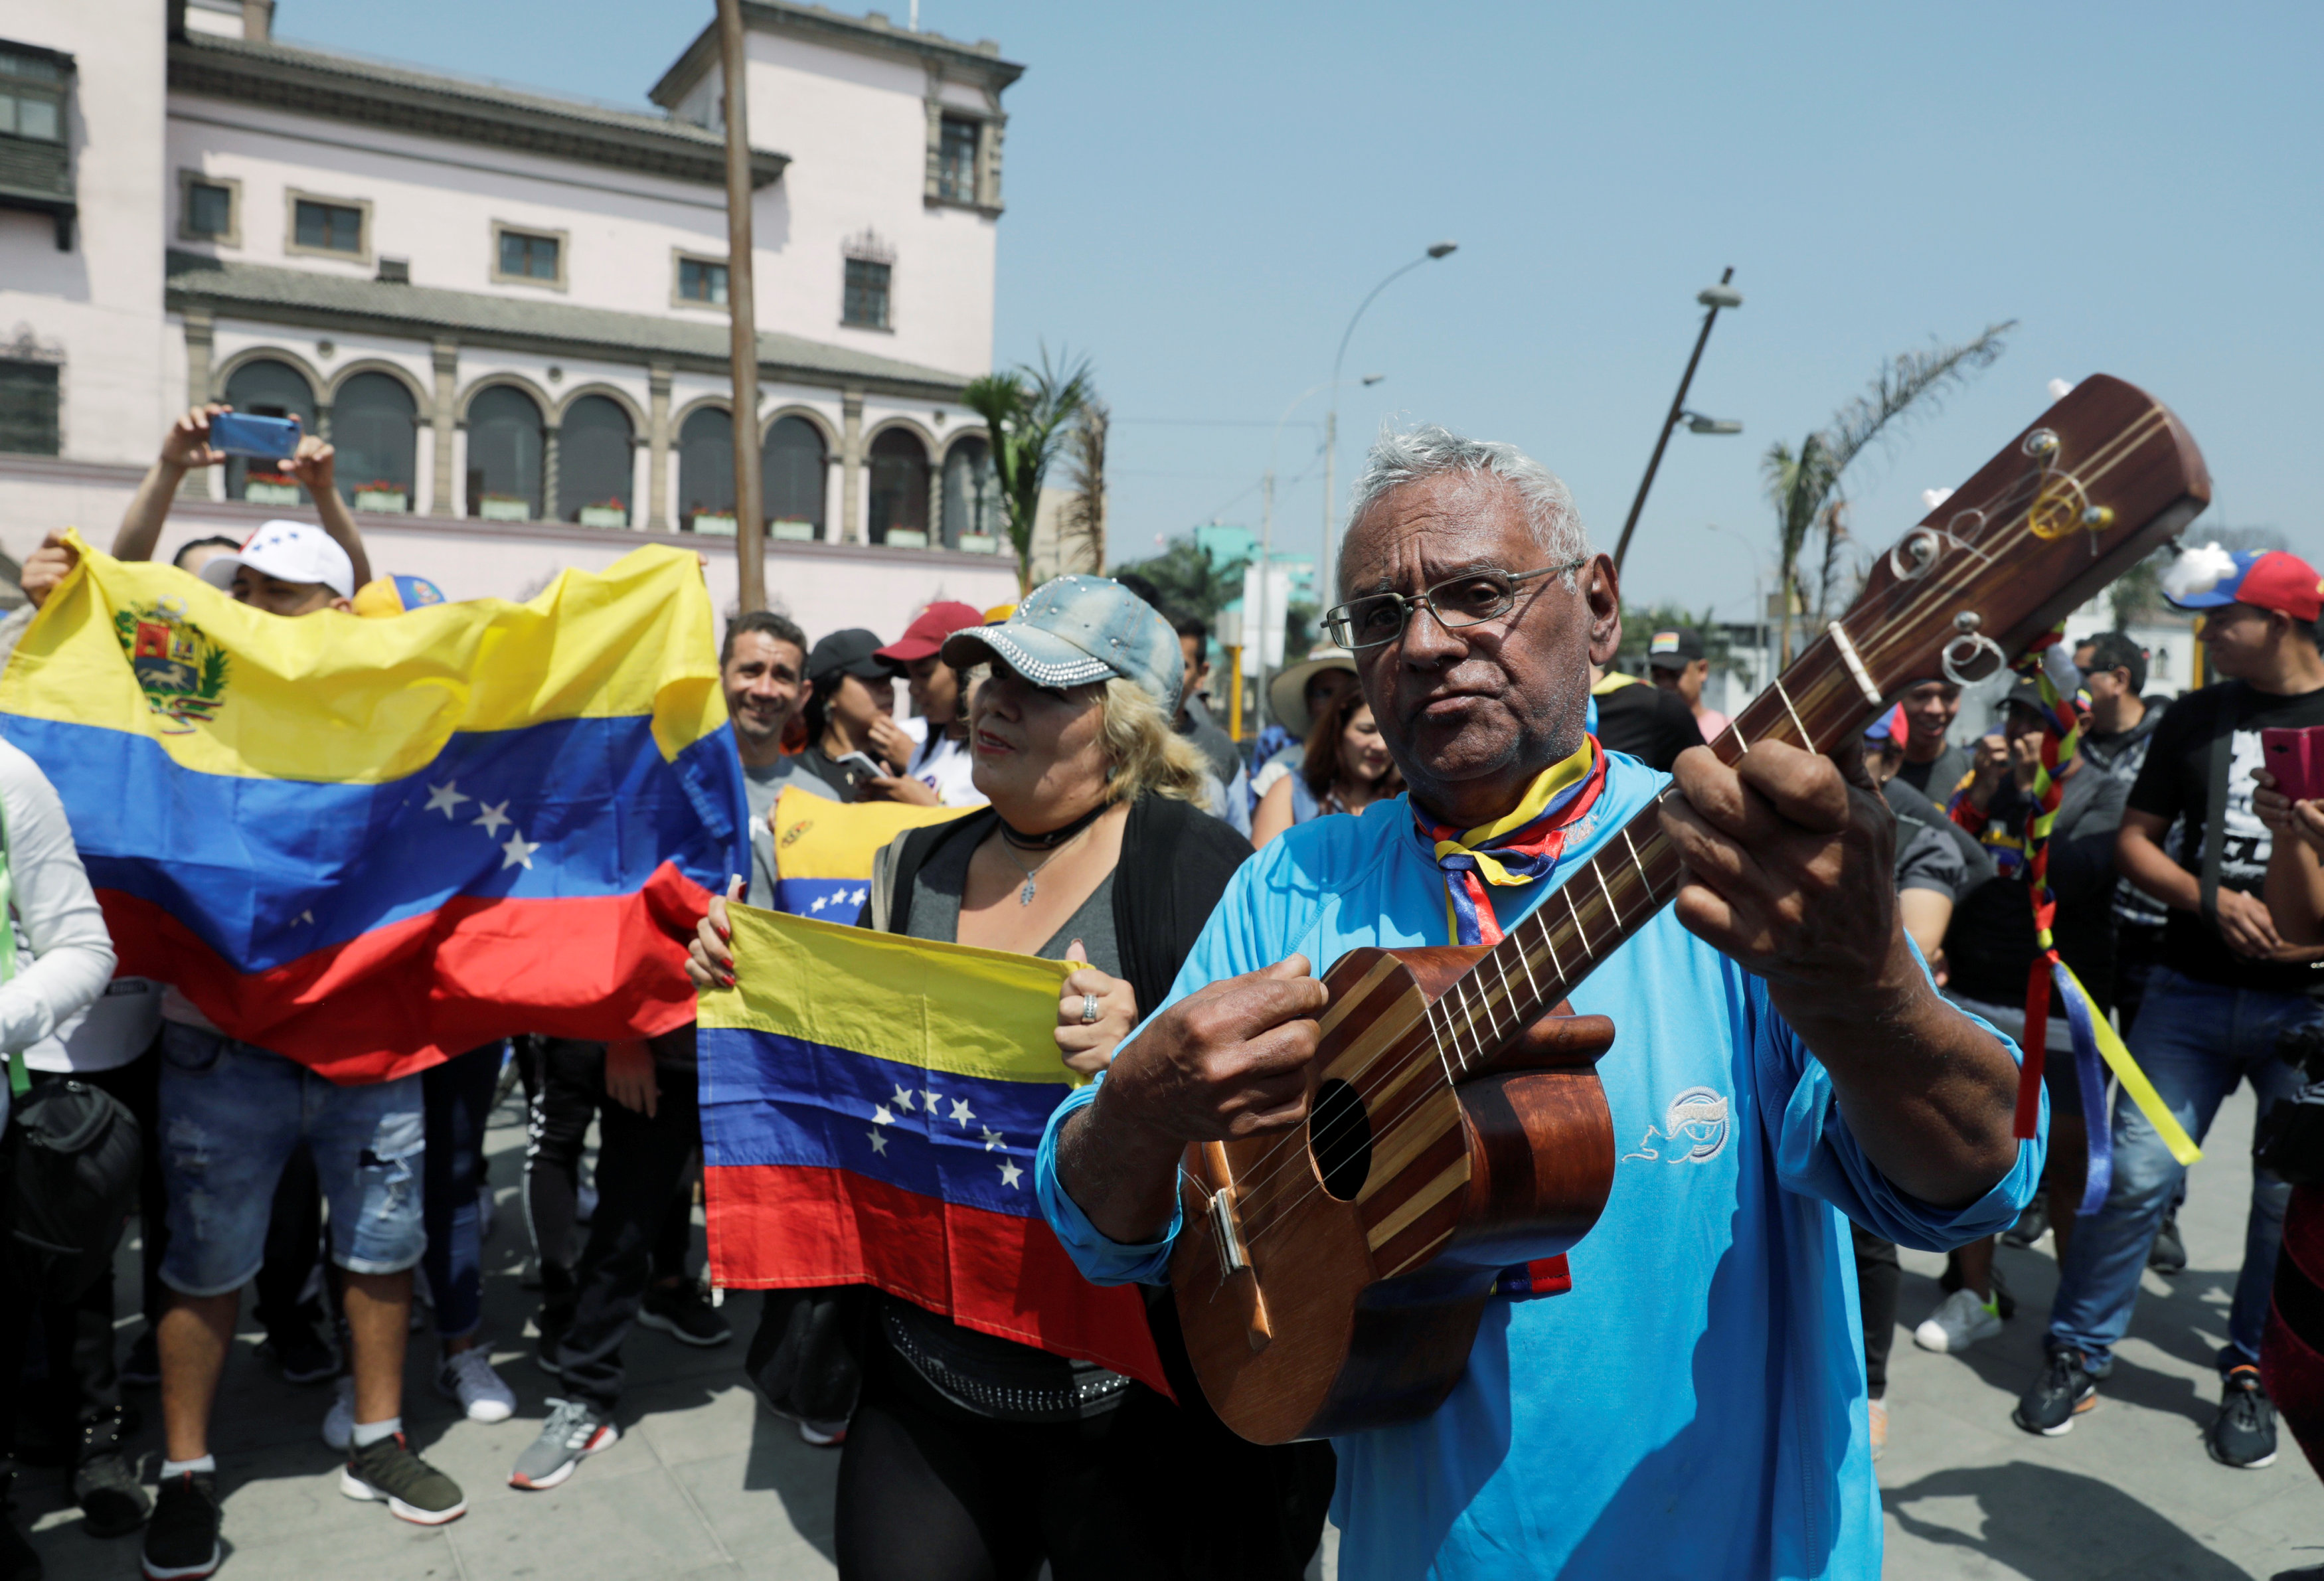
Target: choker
1054, 837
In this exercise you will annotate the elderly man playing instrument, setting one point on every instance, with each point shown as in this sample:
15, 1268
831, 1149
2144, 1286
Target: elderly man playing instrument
1694, 1404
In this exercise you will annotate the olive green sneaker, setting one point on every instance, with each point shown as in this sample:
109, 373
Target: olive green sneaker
412, 1489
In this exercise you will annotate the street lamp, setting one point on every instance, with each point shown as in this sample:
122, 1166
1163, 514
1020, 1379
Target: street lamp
1712, 297
1325, 568
1267, 521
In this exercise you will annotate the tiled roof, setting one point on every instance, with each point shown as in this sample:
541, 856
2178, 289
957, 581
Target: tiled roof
313, 296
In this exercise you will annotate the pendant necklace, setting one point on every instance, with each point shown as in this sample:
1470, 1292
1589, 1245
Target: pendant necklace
1055, 843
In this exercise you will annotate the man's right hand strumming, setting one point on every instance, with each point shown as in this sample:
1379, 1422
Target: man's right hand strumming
1233, 1059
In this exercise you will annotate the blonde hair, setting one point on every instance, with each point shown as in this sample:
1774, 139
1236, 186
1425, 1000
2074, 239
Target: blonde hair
1143, 751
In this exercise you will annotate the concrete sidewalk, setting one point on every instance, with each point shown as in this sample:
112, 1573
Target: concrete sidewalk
705, 1484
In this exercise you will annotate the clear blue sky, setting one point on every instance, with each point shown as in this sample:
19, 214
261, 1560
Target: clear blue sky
1199, 194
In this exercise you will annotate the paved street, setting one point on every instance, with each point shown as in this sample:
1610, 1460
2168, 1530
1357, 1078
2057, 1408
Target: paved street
704, 1484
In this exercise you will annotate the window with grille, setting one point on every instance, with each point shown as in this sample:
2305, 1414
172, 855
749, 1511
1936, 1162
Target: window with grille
701, 280
327, 227
956, 161
209, 210
866, 301
526, 256
29, 418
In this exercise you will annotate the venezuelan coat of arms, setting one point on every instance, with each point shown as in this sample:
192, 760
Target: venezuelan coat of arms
181, 668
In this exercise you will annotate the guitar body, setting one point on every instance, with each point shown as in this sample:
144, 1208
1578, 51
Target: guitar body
1369, 1238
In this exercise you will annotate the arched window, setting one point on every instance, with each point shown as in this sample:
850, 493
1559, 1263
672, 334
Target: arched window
594, 462
267, 388
971, 501
899, 490
705, 466
504, 455
373, 429
793, 472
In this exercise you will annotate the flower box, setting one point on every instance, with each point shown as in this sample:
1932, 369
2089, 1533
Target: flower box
504, 508
714, 526
604, 516
393, 500
269, 492
980, 543
792, 531
906, 538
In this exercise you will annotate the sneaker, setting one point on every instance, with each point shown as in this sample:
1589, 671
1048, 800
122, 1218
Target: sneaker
302, 1357
2031, 1224
2063, 1391
575, 1429
104, 1483
2243, 1433
468, 1377
2168, 1252
181, 1539
1963, 1320
142, 1368
412, 1489
1877, 1411
683, 1312
339, 1421
822, 1434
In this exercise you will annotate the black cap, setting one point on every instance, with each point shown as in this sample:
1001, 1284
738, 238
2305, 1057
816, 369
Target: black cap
2116, 650
2025, 694
1674, 648
853, 652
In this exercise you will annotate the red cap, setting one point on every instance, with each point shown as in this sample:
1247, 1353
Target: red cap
2284, 583
926, 635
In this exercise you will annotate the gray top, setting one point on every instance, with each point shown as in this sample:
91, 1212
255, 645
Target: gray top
762, 785
935, 910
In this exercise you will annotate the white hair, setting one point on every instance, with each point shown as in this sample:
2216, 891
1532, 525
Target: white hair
1398, 458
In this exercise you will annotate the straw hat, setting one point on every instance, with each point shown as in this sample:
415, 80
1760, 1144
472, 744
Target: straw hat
1286, 693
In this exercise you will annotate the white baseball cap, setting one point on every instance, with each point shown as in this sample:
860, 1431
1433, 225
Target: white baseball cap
289, 552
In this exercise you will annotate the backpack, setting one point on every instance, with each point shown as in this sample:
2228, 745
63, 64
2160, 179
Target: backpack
68, 1163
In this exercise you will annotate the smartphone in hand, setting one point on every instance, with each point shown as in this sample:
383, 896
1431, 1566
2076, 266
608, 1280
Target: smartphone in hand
2296, 759
856, 769
262, 438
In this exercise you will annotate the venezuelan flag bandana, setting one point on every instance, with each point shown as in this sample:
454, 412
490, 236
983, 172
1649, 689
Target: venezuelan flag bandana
1518, 847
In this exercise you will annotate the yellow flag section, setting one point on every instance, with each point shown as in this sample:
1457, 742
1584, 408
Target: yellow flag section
231, 690
822, 849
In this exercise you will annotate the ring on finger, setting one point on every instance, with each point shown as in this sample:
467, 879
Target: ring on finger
1089, 1009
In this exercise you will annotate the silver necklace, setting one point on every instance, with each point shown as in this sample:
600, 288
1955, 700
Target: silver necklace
1025, 896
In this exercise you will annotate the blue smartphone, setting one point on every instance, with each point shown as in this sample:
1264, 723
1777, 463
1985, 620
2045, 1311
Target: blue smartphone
265, 439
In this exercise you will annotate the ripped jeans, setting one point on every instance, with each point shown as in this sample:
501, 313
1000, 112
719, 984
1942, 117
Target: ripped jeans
230, 1115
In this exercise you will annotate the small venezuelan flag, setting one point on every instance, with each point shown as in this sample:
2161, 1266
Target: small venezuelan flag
823, 849
871, 1106
369, 844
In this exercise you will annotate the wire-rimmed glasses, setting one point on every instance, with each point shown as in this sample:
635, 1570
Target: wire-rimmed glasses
1470, 598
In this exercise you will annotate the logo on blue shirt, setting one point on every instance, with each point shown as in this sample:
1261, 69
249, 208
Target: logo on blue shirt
1693, 1129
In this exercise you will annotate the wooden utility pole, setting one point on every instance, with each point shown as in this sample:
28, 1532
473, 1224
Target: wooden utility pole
749, 518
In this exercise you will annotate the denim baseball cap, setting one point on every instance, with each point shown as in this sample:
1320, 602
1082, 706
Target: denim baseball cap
1072, 630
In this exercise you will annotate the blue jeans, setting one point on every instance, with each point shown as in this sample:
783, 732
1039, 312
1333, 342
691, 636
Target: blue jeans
458, 1099
232, 1112
2196, 1042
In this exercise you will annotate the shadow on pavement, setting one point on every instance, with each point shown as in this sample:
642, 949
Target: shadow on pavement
2052, 1525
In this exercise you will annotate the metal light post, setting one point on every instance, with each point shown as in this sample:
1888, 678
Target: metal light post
1267, 518
1713, 297
1326, 570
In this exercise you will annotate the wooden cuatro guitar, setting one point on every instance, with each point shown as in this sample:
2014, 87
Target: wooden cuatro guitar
1330, 1278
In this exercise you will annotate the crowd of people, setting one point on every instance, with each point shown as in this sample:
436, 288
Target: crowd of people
1107, 821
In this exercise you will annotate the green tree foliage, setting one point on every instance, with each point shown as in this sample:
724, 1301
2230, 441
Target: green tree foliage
1189, 580
1027, 413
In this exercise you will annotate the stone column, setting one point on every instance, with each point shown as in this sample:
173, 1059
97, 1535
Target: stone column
935, 503
548, 472
658, 378
442, 500
850, 469
201, 337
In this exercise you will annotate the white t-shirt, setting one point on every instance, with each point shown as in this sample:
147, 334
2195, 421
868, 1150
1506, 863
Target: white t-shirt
64, 956
944, 765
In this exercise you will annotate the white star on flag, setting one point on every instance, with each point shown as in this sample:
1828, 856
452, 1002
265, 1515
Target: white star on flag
880, 1115
859, 895
494, 818
307, 918
992, 1138
443, 797
1008, 1174
879, 1143
962, 1114
820, 902
904, 1099
928, 1100
518, 851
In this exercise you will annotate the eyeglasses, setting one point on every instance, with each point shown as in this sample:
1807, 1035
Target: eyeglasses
1470, 598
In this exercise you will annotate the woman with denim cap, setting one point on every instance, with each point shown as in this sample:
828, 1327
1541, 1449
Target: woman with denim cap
969, 1455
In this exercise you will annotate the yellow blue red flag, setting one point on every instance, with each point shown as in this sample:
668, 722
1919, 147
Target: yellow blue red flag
824, 850
369, 844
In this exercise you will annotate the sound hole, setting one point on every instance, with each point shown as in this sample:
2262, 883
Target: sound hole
1340, 1135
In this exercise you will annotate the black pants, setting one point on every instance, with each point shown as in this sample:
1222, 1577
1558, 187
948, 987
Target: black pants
642, 1167
564, 1082
1878, 1276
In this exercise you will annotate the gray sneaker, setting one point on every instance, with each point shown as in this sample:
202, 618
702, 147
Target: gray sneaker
575, 1429
411, 1489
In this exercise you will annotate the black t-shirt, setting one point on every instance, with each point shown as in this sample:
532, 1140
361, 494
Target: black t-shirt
1989, 944
1939, 777
1650, 724
2175, 783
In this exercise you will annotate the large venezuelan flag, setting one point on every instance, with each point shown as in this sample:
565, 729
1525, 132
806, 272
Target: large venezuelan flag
367, 843
871, 1106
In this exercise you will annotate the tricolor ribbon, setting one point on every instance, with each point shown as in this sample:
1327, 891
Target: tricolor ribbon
1520, 847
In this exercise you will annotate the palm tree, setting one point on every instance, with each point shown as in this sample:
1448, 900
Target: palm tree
1081, 519
1803, 485
1027, 412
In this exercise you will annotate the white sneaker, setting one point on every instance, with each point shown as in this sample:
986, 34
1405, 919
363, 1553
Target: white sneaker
822, 1434
1959, 1324
339, 1421
468, 1378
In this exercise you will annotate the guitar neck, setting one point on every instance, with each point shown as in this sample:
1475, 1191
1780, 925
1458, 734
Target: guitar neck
1633, 875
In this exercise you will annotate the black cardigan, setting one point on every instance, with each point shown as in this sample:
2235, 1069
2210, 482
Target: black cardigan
1175, 861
